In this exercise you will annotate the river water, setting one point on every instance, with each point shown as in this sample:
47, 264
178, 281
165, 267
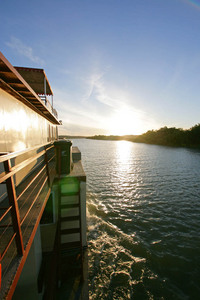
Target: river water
143, 209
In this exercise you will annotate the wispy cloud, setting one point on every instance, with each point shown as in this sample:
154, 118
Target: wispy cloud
102, 107
90, 82
107, 93
97, 92
24, 50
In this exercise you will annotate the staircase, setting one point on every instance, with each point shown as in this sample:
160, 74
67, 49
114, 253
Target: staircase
70, 231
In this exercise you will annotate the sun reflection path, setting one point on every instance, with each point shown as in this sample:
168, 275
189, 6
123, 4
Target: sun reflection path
125, 174
123, 153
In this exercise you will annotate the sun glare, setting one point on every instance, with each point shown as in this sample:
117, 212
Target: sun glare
125, 121
123, 151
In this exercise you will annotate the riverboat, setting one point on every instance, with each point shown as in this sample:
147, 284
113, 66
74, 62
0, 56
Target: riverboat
43, 245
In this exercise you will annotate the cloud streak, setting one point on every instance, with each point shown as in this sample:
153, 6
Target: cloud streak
97, 89
102, 108
22, 49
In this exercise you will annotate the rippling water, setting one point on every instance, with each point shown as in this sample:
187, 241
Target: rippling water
143, 220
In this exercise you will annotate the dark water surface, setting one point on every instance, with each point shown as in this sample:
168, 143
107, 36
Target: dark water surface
143, 220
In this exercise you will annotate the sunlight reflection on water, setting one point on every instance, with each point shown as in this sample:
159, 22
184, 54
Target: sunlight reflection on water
123, 152
143, 220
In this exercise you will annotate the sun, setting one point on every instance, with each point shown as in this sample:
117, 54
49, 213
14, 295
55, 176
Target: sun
125, 121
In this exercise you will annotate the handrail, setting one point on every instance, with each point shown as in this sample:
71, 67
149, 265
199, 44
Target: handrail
7, 156
5, 213
13, 170
19, 202
8, 245
46, 102
49, 105
30, 183
15, 210
33, 202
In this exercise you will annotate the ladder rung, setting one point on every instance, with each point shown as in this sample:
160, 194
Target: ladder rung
70, 230
70, 218
68, 194
69, 205
70, 245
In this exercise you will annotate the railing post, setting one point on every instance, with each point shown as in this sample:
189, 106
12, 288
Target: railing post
47, 165
15, 209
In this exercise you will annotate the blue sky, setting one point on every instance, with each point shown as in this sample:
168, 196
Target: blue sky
115, 66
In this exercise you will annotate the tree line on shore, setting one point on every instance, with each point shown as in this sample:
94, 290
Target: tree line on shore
165, 136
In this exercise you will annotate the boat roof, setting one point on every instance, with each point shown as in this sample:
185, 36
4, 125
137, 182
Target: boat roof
36, 78
15, 82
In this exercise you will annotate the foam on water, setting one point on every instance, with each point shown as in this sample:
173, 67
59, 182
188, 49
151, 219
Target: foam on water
120, 267
115, 273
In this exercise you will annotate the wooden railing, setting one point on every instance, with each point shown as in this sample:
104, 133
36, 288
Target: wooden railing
25, 185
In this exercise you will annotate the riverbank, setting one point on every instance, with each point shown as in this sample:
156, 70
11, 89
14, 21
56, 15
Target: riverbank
173, 137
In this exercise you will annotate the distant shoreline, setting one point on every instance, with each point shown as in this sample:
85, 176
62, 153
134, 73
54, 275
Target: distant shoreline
113, 137
172, 137
68, 137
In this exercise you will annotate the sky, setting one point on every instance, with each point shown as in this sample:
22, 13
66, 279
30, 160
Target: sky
115, 66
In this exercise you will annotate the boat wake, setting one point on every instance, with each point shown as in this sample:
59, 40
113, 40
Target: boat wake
117, 262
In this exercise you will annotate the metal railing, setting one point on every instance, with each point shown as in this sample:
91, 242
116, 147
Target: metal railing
48, 105
25, 178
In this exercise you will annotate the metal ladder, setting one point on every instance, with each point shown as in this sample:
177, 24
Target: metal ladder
70, 229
